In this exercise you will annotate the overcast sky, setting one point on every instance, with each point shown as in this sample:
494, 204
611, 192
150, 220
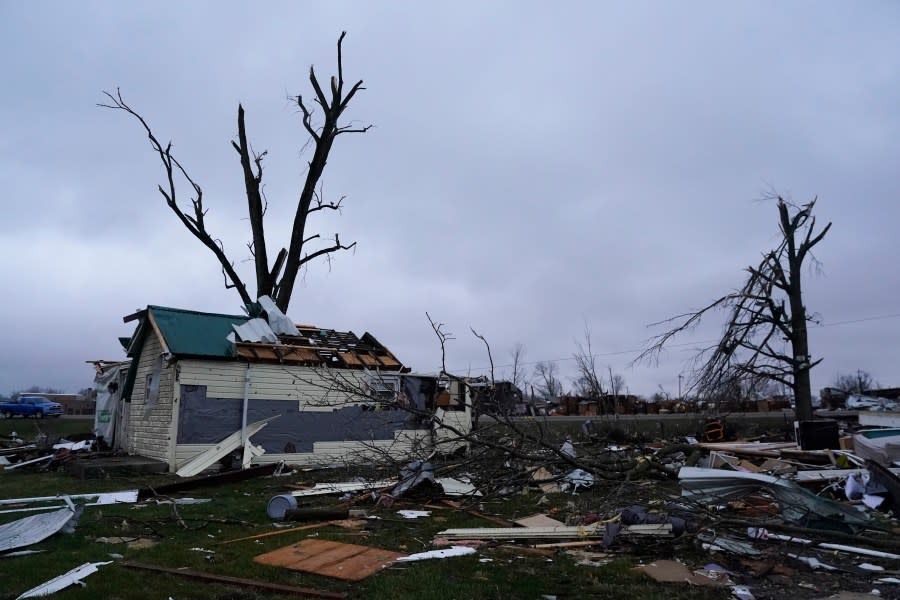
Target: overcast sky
533, 167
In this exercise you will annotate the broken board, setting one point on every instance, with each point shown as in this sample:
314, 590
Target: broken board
332, 559
539, 520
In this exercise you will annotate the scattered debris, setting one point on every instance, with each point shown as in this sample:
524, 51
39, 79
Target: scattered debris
861, 551
63, 581
445, 553
208, 480
414, 514
574, 533
457, 487
237, 581
279, 532
578, 478
797, 505
539, 520
670, 571
206, 459
327, 489
36, 528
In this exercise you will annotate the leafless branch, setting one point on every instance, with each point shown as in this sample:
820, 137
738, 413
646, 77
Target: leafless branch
193, 222
767, 310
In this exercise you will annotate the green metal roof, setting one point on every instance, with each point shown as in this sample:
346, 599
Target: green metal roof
191, 333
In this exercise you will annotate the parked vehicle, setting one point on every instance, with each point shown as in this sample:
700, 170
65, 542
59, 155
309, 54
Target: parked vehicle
30, 406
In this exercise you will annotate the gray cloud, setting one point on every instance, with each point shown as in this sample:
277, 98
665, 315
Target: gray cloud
532, 169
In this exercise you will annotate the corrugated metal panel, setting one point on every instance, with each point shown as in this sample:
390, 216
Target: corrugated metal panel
255, 330
33, 529
190, 333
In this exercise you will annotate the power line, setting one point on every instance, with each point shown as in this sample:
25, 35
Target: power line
679, 345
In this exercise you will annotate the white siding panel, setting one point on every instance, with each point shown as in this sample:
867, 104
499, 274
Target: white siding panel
314, 389
148, 426
185, 452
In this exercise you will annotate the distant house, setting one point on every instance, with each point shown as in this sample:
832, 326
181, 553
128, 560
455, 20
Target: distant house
194, 375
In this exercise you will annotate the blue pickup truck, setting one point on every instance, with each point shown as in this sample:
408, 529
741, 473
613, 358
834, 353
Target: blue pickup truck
30, 406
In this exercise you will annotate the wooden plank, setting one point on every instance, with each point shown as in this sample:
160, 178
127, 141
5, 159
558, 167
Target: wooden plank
333, 559
583, 544
496, 520
237, 581
522, 533
278, 532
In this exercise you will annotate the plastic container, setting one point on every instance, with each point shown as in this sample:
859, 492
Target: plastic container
279, 505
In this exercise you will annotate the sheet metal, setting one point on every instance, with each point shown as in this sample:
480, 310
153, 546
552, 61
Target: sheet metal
256, 330
34, 529
797, 504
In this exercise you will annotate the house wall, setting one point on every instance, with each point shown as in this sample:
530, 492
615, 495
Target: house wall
148, 426
320, 423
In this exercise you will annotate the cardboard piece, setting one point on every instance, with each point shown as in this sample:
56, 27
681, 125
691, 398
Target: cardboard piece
670, 571
549, 487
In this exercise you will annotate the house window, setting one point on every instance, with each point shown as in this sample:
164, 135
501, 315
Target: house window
383, 388
151, 394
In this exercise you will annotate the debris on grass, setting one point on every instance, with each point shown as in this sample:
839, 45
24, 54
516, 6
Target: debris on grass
332, 559
264, 586
36, 528
63, 581
444, 553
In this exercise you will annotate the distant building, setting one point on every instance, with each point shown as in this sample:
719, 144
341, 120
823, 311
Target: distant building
73, 404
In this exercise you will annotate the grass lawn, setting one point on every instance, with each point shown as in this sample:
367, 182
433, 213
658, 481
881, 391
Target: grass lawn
29, 428
239, 510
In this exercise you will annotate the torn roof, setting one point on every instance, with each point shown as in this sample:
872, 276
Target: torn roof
188, 333
326, 347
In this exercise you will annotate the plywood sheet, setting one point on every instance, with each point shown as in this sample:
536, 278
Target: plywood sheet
539, 520
333, 559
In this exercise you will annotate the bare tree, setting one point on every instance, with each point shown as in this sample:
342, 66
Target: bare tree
588, 381
548, 384
616, 382
854, 383
278, 278
766, 332
518, 376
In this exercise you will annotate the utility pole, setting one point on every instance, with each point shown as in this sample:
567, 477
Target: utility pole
680, 376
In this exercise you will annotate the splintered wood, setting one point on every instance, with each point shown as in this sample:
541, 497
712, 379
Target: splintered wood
333, 559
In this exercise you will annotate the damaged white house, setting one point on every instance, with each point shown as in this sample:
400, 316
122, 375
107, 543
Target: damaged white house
196, 378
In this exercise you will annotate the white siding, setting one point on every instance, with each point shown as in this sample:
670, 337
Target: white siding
148, 426
316, 389
185, 452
